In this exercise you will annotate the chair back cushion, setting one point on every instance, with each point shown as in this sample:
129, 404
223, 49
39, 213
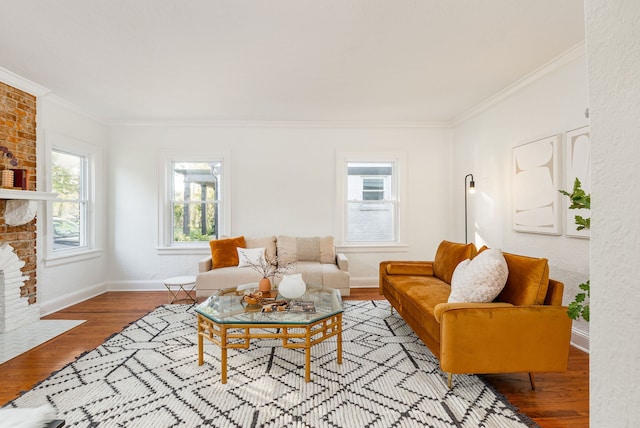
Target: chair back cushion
527, 282
448, 255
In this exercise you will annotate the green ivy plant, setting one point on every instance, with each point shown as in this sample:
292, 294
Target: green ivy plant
579, 199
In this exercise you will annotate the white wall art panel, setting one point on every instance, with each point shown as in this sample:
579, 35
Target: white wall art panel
535, 186
577, 165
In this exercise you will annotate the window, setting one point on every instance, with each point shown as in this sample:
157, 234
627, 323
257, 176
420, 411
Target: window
369, 192
69, 210
195, 202
74, 217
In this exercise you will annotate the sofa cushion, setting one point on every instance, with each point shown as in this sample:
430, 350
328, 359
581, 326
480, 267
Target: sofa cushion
308, 249
327, 250
527, 282
266, 242
224, 253
448, 256
287, 249
248, 257
479, 280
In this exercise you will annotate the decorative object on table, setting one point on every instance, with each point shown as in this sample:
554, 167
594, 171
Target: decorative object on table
472, 189
577, 166
302, 306
580, 200
536, 175
256, 259
292, 286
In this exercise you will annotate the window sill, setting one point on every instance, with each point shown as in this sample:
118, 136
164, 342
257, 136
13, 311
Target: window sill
187, 249
74, 257
373, 248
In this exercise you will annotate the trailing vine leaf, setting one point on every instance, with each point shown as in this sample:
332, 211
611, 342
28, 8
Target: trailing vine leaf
579, 200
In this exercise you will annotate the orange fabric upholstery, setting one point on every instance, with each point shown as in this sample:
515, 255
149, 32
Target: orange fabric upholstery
527, 330
224, 251
527, 282
448, 256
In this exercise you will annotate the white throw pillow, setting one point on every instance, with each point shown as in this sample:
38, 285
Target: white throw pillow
250, 256
481, 279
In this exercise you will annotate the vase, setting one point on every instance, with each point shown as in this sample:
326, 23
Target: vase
292, 286
264, 285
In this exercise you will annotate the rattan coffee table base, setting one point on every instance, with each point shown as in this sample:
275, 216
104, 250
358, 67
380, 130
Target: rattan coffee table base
293, 336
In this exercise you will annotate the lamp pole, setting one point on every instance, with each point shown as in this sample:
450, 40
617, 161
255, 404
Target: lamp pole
472, 186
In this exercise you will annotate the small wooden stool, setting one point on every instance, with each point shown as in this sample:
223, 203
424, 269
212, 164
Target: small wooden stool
186, 284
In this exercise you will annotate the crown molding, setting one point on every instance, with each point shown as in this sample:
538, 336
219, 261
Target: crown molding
61, 102
19, 82
274, 124
576, 52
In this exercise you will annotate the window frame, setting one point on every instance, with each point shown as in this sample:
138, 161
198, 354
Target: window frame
92, 227
399, 184
166, 159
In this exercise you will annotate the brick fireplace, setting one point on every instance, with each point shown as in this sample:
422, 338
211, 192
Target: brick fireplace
18, 135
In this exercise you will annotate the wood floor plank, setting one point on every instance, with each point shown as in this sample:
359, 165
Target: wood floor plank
560, 399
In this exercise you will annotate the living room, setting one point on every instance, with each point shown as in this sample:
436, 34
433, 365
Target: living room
283, 181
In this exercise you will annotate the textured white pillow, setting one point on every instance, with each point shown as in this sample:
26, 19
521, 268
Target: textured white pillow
249, 256
480, 279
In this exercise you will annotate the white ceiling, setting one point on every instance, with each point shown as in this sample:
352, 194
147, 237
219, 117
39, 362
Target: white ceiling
282, 60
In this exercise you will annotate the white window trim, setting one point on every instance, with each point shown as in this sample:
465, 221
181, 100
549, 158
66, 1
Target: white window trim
400, 160
165, 173
93, 226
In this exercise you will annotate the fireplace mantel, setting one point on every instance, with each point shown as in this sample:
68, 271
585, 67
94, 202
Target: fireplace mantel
27, 194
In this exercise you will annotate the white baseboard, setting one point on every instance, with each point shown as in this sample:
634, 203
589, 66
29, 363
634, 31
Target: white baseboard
147, 285
364, 282
70, 299
580, 340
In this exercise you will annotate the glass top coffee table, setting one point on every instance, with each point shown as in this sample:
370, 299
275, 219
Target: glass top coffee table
227, 320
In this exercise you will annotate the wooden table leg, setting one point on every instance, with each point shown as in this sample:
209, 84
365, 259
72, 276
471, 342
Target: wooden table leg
339, 339
200, 343
223, 354
307, 352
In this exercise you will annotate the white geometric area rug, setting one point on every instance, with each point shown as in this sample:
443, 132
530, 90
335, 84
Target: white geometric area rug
148, 376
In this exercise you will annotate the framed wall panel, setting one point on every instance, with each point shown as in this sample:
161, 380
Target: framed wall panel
536, 175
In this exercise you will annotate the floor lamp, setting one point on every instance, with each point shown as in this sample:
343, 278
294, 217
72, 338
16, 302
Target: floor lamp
472, 189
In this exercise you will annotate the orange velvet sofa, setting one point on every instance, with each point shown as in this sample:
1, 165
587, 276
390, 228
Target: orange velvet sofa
525, 329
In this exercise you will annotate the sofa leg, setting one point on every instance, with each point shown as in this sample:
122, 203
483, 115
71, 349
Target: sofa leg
450, 380
391, 307
532, 379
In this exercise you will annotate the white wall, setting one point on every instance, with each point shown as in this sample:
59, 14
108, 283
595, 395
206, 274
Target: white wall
74, 280
283, 182
614, 83
553, 102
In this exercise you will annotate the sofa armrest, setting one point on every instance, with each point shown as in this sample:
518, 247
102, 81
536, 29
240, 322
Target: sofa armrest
204, 265
493, 338
342, 261
420, 268
441, 308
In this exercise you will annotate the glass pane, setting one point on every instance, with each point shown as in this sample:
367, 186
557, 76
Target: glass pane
196, 181
372, 184
66, 175
370, 222
365, 177
189, 225
66, 225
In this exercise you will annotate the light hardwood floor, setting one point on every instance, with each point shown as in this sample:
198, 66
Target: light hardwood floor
560, 399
